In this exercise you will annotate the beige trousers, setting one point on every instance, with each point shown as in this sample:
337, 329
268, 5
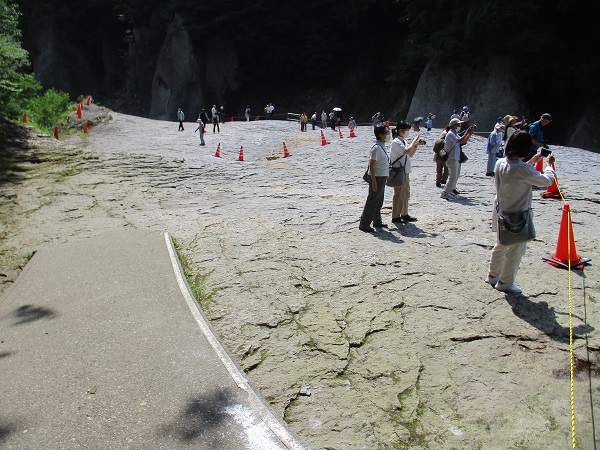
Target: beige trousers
400, 199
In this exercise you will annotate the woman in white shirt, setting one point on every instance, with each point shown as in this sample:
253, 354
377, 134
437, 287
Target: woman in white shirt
514, 179
400, 154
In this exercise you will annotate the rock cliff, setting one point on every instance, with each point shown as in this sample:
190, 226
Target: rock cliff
487, 91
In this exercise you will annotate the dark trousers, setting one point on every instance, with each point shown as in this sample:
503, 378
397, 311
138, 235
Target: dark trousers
372, 209
180, 126
441, 171
216, 125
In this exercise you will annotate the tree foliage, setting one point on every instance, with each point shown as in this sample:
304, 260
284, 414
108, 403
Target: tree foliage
14, 86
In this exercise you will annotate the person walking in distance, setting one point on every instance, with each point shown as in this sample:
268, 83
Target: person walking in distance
514, 178
247, 114
378, 170
313, 120
452, 148
180, 118
324, 119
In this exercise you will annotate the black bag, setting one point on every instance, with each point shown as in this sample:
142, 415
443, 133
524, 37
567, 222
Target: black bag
397, 175
444, 155
463, 157
367, 177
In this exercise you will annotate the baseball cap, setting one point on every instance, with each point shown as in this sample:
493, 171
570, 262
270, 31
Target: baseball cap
454, 122
547, 117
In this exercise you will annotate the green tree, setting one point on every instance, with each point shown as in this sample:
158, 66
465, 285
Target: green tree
14, 85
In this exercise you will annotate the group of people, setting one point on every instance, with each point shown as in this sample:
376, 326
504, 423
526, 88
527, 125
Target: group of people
513, 171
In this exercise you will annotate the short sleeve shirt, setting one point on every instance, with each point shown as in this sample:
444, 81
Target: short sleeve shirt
382, 161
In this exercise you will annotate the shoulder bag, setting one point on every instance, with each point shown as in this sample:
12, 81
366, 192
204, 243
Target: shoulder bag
367, 175
397, 174
514, 228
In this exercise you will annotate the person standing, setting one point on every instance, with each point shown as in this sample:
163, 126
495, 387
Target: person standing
181, 118
200, 129
509, 127
454, 115
379, 163
247, 114
352, 123
441, 169
269, 111
376, 119
401, 154
215, 119
514, 180
303, 122
452, 147
324, 119
204, 116
222, 117
493, 148
465, 117
536, 132
430, 118
313, 120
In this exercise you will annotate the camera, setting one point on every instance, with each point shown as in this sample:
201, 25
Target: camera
422, 141
545, 151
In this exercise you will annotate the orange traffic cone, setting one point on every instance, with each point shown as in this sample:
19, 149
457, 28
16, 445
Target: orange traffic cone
352, 131
241, 157
55, 132
79, 108
341, 135
552, 190
88, 101
286, 154
323, 140
24, 118
566, 255
232, 118
218, 152
540, 166
85, 127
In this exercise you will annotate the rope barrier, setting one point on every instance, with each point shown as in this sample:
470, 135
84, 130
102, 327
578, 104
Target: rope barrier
570, 291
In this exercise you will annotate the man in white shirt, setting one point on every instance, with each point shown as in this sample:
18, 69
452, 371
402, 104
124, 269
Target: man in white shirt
452, 148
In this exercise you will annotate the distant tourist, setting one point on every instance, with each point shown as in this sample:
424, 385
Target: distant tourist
313, 120
200, 129
536, 132
247, 114
324, 119
454, 115
401, 153
441, 169
269, 111
514, 180
376, 119
452, 148
204, 116
215, 119
332, 120
352, 123
181, 118
430, 118
222, 117
303, 121
378, 170
509, 127
465, 117
494, 144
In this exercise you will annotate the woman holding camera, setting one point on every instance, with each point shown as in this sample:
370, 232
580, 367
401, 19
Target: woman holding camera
400, 155
514, 179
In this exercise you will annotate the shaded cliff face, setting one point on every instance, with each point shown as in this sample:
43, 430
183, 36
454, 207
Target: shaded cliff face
188, 79
488, 92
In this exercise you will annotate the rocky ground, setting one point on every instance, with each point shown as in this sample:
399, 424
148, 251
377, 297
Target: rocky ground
359, 341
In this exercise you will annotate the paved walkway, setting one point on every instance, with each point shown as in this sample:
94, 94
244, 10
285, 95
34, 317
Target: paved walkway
103, 346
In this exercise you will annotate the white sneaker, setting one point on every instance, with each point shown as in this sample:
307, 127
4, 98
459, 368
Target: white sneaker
491, 280
511, 288
448, 195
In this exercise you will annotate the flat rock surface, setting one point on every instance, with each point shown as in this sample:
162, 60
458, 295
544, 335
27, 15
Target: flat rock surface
359, 341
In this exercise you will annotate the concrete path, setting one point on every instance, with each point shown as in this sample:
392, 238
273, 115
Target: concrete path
103, 346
